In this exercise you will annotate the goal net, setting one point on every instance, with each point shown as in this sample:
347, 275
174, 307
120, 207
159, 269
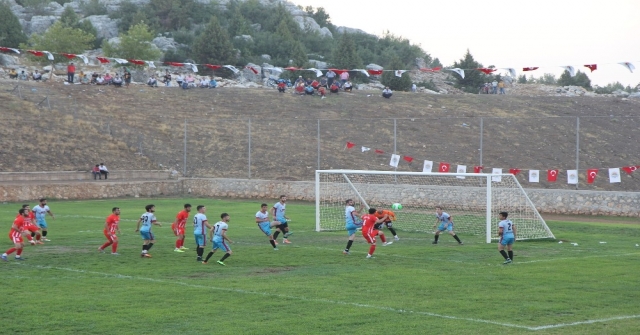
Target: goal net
472, 199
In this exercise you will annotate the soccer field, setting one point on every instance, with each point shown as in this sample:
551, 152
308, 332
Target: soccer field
309, 286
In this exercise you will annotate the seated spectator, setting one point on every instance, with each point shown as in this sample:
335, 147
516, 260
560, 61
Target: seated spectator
414, 88
108, 79
153, 82
348, 86
23, 76
37, 76
315, 84
204, 83
13, 74
322, 91
191, 80
308, 90
96, 172
100, 80
323, 82
127, 77
83, 79
387, 92
94, 78
117, 81
213, 83
180, 80
167, 79
334, 87
300, 88
282, 86
103, 170
299, 80
185, 85
308, 82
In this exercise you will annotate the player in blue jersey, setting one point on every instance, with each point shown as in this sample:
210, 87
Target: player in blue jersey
507, 233
199, 231
446, 223
218, 235
41, 211
352, 223
262, 219
279, 215
147, 219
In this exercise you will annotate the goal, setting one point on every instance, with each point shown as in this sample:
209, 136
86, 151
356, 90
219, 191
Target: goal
472, 199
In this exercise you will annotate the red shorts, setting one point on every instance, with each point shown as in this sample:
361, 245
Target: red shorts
370, 234
111, 236
32, 228
177, 230
15, 237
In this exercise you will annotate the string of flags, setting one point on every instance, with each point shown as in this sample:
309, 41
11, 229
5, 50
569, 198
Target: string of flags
534, 175
319, 73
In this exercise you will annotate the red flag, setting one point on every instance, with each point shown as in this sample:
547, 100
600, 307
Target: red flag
103, 60
375, 72
36, 53
292, 68
444, 167
378, 151
5, 49
514, 171
408, 159
69, 56
252, 69
486, 70
174, 63
552, 175
213, 67
136, 62
630, 169
339, 72
478, 169
427, 69
592, 67
591, 175
529, 68
350, 145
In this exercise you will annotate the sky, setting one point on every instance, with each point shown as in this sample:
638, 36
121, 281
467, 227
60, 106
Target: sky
515, 33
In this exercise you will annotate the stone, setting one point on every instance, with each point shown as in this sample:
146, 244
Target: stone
620, 93
342, 29
246, 38
319, 64
40, 24
107, 28
8, 60
165, 43
420, 63
325, 32
250, 76
265, 57
256, 26
635, 95
373, 67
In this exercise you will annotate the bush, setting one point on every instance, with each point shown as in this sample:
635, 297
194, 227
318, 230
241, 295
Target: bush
430, 85
93, 7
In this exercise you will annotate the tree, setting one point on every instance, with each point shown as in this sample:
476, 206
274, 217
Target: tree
436, 63
93, 7
580, 79
213, 46
59, 38
394, 82
70, 19
345, 55
129, 15
135, 44
472, 79
522, 79
238, 24
11, 34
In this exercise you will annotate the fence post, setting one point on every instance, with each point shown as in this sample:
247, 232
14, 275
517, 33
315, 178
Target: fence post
184, 158
577, 146
318, 144
481, 138
249, 148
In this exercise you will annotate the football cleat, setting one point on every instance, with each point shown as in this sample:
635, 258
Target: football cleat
146, 255
221, 263
386, 244
346, 252
4, 258
204, 262
183, 248
115, 254
100, 250
285, 241
507, 261
396, 238
19, 258
434, 242
178, 250
46, 240
275, 248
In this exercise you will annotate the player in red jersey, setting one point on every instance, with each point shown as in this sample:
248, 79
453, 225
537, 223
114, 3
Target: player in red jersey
15, 234
110, 229
369, 232
30, 229
178, 227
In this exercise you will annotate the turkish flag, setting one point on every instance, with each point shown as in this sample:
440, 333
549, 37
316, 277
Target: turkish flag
136, 61
408, 159
531, 68
378, 151
374, 72
292, 68
36, 53
103, 60
444, 167
630, 169
428, 69
478, 169
591, 175
552, 175
252, 69
592, 67
213, 67
69, 56
174, 63
514, 171
339, 72
350, 145
5, 49
485, 70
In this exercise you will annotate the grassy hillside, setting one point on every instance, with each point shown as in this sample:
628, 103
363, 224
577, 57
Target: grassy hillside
143, 127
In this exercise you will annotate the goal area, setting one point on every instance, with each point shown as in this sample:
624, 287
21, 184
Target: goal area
472, 199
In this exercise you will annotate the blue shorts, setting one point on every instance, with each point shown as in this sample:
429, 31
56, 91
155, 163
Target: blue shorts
282, 220
445, 226
222, 245
507, 240
42, 223
147, 235
201, 240
352, 228
265, 227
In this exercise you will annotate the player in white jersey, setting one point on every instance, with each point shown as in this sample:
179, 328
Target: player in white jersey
218, 236
353, 222
262, 219
41, 211
199, 232
446, 223
147, 219
507, 233
279, 215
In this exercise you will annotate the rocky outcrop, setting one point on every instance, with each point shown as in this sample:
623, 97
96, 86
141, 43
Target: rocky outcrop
341, 30
165, 43
106, 27
40, 24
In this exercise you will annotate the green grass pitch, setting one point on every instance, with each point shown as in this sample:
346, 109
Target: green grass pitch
309, 286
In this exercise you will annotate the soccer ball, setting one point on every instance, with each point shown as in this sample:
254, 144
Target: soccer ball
396, 206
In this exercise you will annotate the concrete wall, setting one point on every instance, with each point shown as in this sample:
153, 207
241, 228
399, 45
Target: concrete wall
546, 201
80, 175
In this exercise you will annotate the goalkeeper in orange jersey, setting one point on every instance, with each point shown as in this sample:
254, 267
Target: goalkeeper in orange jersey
387, 217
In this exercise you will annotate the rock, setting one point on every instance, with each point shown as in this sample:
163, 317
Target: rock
265, 57
165, 43
8, 60
319, 64
256, 26
54, 8
620, 93
635, 95
106, 27
430, 91
342, 29
251, 76
373, 67
324, 31
420, 63
246, 38
40, 24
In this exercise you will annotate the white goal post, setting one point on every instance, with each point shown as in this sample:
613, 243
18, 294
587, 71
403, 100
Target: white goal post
472, 199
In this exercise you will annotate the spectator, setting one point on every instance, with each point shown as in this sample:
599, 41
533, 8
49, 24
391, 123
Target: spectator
71, 72
83, 79
308, 82
167, 79
300, 88
323, 82
213, 83
108, 79
23, 76
308, 90
315, 84
96, 172
103, 170
348, 86
501, 86
153, 82
13, 74
298, 81
331, 76
191, 80
282, 86
486, 88
100, 80
414, 88
180, 80
94, 77
494, 87
344, 76
204, 83
37, 76
386, 93
127, 78
334, 88
322, 91
117, 81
